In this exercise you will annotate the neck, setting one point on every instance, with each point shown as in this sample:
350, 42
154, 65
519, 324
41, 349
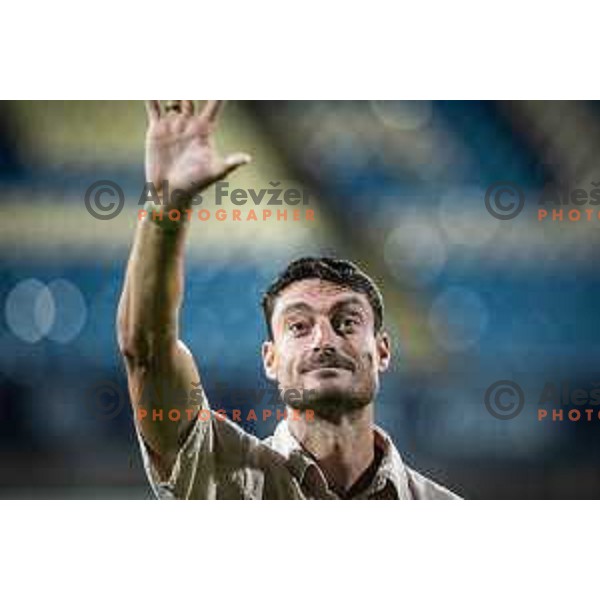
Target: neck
344, 450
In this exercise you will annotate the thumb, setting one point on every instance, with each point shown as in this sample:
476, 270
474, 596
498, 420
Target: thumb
234, 161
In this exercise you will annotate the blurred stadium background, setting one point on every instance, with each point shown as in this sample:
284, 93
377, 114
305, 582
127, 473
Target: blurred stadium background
397, 186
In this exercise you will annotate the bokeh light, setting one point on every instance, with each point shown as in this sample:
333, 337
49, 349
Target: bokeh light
415, 251
458, 318
29, 310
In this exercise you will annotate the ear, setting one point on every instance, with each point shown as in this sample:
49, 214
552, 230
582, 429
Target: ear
269, 357
384, 351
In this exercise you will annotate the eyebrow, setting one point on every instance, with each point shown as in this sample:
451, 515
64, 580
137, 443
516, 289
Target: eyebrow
347, 304
297, 306
337, 306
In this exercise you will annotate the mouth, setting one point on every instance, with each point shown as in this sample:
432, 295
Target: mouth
327, 368
324, 373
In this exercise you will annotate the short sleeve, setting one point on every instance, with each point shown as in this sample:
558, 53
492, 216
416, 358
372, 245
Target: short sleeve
180, 480
219, 460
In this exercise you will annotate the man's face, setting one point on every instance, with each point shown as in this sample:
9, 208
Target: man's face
325, 346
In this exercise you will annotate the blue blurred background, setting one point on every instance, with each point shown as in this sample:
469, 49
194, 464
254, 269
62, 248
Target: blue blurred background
398, 187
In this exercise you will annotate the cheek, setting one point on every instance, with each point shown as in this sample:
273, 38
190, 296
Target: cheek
370, 361
287, 360
368, 358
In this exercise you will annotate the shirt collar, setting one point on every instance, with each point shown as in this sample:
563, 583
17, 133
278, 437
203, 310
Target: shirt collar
391, 469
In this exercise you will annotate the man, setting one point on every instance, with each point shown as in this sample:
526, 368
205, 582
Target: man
326, 347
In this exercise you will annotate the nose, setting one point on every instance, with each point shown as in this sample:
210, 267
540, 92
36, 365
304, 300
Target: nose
323, 339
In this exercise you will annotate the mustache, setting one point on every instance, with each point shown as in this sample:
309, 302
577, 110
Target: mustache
327, 360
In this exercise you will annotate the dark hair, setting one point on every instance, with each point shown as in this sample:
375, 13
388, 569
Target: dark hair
342, 272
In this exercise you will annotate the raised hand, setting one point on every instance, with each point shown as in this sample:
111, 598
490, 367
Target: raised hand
180, 146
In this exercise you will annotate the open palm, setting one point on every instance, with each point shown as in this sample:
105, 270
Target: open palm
180, 146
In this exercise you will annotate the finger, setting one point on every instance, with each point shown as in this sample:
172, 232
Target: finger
152, 110
212, 109
187, 108
173, 107
234, 161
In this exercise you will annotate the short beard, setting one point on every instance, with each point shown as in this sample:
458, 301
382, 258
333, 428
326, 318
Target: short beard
330, 405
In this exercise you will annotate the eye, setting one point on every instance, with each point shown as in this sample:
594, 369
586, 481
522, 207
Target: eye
298, 328
348, 324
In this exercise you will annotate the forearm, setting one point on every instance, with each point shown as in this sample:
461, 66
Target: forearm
152, 294
161, 370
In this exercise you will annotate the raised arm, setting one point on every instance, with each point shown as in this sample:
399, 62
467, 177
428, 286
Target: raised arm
161, 371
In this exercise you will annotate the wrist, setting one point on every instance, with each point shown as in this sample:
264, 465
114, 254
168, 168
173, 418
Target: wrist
170, 197
165, 217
